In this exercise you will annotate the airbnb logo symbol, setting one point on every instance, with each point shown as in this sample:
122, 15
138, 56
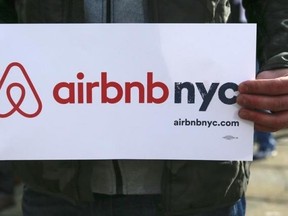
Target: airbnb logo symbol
16, 103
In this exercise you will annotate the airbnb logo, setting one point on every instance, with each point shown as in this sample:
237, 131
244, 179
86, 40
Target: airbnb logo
82, 92
15, 96
16, 104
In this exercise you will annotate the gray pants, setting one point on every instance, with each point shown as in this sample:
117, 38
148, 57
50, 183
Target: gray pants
35, 204
6, 178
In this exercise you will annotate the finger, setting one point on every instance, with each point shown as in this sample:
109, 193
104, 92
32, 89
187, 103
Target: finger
273, 74
261, 102
275, 121
277, 86
263, 128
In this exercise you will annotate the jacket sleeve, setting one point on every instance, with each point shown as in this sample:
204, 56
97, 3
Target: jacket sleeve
7, 12
271, 17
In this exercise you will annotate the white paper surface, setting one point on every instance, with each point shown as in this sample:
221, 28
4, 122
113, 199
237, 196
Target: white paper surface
34, 125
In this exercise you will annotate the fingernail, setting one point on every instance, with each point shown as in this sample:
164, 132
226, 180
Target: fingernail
242, 113
241, 101
243, 88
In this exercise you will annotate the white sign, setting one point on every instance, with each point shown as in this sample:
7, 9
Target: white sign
124, 91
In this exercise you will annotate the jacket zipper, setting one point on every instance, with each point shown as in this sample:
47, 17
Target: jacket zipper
108, 11
118, 177
117, 170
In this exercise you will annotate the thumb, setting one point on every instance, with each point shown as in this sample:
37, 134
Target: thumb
273, 74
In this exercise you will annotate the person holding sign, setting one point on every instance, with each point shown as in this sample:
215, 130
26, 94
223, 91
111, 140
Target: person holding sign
151, 188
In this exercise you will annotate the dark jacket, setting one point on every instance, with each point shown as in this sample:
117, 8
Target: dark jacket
8, 14
187, 186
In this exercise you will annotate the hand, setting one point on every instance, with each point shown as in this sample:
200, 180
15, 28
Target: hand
265, 100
